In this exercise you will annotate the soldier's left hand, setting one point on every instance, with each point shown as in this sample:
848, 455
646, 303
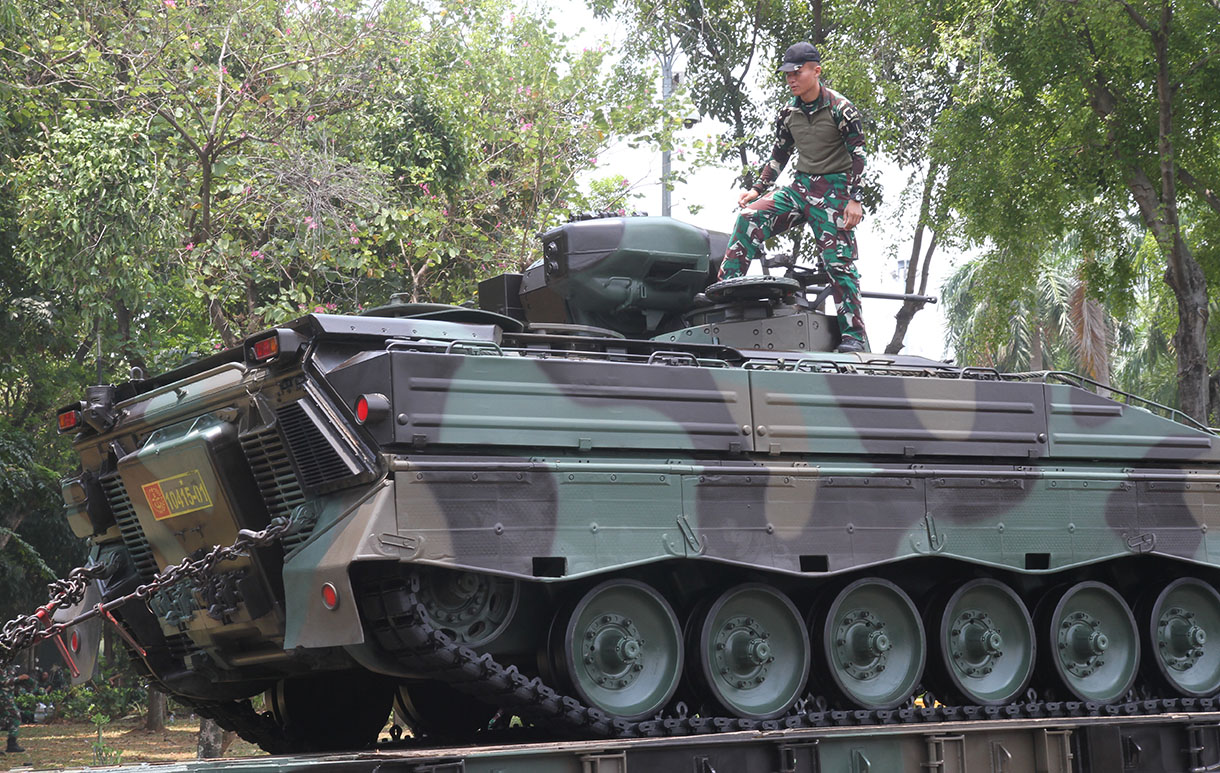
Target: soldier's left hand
852, 215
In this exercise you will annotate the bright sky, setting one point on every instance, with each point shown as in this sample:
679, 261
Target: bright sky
883, 238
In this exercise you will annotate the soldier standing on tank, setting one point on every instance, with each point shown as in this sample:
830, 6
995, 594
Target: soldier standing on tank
827, 133
10, 717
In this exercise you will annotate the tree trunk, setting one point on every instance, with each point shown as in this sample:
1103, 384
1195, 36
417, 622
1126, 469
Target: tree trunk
902, 320
155, 719
1035, 348
211, 740
1213, 392
1182, 271
10, 522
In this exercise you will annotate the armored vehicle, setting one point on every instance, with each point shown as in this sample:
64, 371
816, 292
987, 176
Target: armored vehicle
621, 498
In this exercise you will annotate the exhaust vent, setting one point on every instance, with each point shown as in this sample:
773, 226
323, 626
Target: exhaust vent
321, 457
129, 526
276, 479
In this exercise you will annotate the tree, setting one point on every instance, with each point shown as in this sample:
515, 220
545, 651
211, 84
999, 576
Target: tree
304, 158
726, 43
1049, 322
1108, 102
887, 56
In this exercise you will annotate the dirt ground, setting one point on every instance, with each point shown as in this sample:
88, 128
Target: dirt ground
70, 745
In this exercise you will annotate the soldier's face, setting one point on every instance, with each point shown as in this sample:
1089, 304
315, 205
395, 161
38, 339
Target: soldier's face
803, 82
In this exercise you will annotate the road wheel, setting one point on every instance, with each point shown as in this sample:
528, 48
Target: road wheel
874, 644
985, 649
619, 649
1091, 641
752, 652
333, 711
1182, 637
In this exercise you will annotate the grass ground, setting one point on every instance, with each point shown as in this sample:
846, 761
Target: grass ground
70, 744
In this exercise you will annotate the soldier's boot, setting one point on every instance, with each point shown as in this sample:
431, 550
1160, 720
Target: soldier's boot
12, 745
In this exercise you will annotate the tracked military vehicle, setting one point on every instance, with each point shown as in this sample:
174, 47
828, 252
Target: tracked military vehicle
624, 499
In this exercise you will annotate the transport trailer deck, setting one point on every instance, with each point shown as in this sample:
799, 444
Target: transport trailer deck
1163, 743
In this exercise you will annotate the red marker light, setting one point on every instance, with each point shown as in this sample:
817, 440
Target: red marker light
266, 348
74, 641
330, 596
372, 407
69, 420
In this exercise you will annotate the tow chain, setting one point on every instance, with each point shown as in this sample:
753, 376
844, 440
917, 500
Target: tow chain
26, 631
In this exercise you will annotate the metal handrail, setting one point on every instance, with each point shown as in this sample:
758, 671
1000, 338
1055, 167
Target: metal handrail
1079, 381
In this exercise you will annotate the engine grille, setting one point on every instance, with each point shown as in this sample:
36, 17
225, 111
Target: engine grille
276, 478
319, 459
180, 645
129, 526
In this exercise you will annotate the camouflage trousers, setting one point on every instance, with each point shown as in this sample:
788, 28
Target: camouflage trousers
818, 200
10, 717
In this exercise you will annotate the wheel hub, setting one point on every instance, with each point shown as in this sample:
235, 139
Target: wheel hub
862, 644
976, 643
1180, 638
1082, 644
614, 651
742, 651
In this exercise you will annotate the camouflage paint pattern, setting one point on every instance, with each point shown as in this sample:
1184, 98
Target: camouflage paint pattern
541, 458
818, 200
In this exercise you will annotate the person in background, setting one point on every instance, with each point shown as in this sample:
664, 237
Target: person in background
10, 717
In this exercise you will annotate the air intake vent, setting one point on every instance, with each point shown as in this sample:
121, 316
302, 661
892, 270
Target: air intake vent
129, 526
320, 456
276, 479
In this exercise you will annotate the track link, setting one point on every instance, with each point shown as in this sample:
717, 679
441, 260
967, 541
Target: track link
398, 622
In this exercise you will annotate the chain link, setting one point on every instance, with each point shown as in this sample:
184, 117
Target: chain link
26, 631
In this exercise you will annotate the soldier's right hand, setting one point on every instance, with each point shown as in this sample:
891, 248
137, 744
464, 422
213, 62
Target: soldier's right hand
746, 197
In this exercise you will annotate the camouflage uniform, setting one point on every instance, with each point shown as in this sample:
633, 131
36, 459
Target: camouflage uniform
815, 198
59, 679
10, 717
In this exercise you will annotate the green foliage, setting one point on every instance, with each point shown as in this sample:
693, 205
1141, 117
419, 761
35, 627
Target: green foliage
113, 694
1031, 313
103, 754
726, 43
611, 194
93, 190
286, 159
176, 175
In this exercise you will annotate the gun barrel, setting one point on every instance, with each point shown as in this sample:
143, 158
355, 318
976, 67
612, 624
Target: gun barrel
899, 296
818, 293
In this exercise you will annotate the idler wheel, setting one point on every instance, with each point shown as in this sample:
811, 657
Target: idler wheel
1182, 636
473, 609
874, 644
985, 650
619, 649
752, 651
1092, 644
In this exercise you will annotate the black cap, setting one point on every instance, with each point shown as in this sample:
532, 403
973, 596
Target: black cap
797, 55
